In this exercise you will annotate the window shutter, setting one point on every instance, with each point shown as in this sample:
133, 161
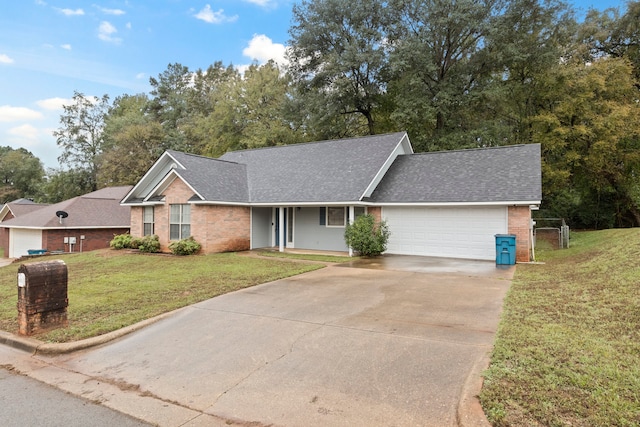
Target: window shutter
323, 216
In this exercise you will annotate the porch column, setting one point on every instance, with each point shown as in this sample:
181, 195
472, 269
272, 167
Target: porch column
352, 214
281, 229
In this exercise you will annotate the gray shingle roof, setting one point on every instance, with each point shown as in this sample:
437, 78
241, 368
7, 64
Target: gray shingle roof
497, 174
93, 210
326, 171
214, 179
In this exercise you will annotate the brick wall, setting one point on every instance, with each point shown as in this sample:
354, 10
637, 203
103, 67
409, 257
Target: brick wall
136, 221
376, 212
53, 240
221, 228
217, 228
4, 236
519, 224
4, 241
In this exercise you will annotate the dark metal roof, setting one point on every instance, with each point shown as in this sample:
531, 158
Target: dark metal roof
499, 174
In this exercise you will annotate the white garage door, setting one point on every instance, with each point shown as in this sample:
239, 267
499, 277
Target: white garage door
445, 232
21, 240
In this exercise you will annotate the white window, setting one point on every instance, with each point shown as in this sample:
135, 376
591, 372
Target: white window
179, 222
336, 216
147, 220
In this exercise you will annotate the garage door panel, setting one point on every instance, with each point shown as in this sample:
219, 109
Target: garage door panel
446, 232
21, 240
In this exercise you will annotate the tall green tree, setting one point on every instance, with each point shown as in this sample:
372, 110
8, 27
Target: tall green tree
441, 66
591, 143
132, 139
21, 174
614, 33
339, 54
169, 104
62, 184
80, 135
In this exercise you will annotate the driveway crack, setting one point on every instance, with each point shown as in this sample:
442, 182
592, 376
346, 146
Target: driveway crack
268, 362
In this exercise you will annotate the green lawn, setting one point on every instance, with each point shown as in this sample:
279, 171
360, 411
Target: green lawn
109, 289
568, 347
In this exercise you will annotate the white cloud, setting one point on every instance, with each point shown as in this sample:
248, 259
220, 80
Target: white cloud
106, 31
71, 12
66, 46
15, 114
128, 25
54, 103
41, 3
25, 132
261, 48
261, 2
140, 76
106, 11
208, 15
5, 59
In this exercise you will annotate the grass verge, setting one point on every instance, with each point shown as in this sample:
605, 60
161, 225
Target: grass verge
109, 290
567, 351
308, 257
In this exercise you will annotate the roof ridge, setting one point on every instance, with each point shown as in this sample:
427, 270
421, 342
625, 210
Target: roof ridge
459, 150
203, 157
315, 142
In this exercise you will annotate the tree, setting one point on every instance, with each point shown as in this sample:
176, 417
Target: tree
80, 135
610, 33
21, 174
64, 184
169, 105
338, 58
441, 65
591, 143
132, 140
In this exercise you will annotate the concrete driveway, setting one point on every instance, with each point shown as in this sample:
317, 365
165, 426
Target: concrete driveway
395, 341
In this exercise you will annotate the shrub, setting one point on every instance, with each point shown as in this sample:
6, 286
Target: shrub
186, 246
121, 241
366, 237
149, 244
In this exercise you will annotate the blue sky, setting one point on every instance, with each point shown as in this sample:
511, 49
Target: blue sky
51, 48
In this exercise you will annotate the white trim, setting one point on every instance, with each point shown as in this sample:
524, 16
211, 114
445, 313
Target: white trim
399, 149
456, 204
152, 171
166, 183
365, 203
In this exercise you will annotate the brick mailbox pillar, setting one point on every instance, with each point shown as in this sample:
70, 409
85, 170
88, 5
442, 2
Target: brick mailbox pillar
42, 297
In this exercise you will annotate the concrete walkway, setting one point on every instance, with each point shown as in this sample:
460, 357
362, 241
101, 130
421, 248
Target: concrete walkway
402, 343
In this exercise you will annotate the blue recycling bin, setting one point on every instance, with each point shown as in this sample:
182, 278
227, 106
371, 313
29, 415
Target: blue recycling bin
505, 249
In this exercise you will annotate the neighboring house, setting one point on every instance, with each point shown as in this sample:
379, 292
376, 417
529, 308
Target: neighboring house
91, 222
12, 210
448, 204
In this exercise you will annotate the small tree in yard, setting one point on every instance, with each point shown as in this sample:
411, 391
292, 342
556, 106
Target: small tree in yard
366, 237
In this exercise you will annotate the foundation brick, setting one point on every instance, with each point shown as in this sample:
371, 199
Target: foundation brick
519, 218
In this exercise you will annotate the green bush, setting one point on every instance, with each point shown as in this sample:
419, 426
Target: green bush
186, 246
149, 244
121, 241
366, 237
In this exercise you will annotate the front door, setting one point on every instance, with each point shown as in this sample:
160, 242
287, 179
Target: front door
289, 221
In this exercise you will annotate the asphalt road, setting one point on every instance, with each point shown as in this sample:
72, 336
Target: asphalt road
25, 402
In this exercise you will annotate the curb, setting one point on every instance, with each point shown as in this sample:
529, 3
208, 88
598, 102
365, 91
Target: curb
470, 412
35, 346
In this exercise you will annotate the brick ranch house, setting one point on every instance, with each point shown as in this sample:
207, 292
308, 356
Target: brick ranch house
448, 204
92, 221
